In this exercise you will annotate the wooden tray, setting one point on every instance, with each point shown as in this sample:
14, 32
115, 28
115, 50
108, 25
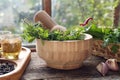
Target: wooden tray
21, 64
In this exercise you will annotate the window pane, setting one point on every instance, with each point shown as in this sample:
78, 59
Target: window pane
73, 12
12, 12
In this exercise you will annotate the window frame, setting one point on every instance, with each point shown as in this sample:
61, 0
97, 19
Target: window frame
46, 5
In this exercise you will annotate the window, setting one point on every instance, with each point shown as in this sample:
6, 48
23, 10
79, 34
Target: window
12, 12
65, 12
69, 13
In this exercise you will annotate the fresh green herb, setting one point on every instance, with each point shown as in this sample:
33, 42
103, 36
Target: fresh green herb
108, 35
32, 31
96, 32
114, 38
115, 48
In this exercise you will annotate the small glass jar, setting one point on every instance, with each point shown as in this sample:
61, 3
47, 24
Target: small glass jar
2, 34
11, 46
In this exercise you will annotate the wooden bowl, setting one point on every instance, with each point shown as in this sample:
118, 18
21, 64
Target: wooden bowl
64, 55
20, 65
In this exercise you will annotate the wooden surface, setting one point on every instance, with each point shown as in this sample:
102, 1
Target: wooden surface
21, 64
37, 70
47, 6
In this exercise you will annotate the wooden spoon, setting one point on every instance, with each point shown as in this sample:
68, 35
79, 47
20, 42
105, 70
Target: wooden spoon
47, 21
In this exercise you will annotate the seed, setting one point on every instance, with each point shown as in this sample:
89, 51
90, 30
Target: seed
6, 67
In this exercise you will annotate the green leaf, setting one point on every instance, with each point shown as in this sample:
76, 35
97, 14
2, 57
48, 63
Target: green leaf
32, 31
114, 49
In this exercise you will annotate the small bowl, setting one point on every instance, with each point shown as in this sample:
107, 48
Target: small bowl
7, 72
64, 55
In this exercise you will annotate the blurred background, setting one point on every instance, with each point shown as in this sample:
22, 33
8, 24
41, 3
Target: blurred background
65, 12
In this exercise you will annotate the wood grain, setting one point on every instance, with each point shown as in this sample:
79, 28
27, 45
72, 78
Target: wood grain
21, 64
37, 70
47, 6
45, 19
64, 55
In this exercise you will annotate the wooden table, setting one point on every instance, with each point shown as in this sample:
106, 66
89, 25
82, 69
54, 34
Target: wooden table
37, 70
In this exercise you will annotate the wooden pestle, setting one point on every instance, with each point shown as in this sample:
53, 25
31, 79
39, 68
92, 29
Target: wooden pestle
47, 21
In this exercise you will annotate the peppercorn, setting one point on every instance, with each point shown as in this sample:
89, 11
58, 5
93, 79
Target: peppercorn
6, 67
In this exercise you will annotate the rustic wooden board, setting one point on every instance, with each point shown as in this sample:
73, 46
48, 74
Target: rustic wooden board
38, 70
21, 64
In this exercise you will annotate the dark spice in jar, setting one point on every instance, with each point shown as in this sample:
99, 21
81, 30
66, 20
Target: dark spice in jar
6, 67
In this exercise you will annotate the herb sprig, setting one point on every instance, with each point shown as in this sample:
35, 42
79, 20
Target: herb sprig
31, 32
108, 35
97, 32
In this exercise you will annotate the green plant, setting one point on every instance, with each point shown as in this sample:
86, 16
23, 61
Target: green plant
114, 38
108, 35
98, 32
32, 32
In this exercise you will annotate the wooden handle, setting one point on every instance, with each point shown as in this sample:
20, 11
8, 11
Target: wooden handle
45, 19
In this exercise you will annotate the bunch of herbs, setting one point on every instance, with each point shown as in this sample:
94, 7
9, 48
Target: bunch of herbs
107, 35
33, 31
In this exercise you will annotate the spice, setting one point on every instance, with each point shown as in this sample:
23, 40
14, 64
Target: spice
102, 68
109, 64
112, 64
6, 67
86, 21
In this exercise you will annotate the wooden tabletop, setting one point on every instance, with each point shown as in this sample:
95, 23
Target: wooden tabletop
37, 70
